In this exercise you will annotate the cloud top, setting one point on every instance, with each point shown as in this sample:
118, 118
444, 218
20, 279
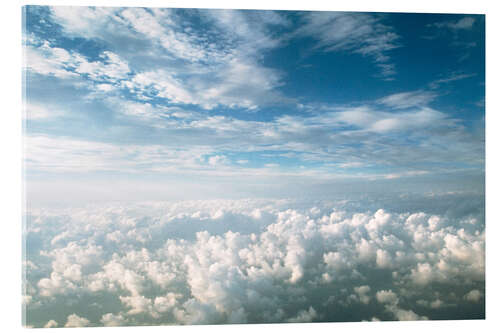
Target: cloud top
251, 262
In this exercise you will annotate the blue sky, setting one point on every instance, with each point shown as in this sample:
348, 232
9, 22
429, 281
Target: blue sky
125, 103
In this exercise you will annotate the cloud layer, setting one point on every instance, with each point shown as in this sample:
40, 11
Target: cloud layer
250, 261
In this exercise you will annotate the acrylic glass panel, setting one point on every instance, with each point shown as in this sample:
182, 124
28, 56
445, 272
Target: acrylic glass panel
197, 166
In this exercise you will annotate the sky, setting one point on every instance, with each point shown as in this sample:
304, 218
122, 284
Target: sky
194, 166
237, 104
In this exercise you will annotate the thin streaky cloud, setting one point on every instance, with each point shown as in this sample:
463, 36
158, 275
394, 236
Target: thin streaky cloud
362, 34
462, 24
454, 77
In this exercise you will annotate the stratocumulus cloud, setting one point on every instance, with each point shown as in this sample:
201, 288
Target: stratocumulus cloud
249, 261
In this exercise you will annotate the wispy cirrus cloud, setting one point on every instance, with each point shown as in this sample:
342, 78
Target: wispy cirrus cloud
408, 99
461, 24
451, 78
456, 29
40, 112
357, 33
72, 155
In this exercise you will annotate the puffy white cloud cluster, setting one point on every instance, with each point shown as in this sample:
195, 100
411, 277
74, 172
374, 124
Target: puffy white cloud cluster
249, 261
74, 321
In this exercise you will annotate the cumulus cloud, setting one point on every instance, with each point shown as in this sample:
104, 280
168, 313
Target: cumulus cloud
473, 296
250, 261
110, 319
391, 300
304, 316
51, 323
76, 321
363, 294
387, 297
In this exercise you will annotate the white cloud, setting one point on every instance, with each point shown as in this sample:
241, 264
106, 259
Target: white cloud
53, 154
387, 297
74, 68
195, 312
27, 299
216, 160
251, 30
362, 293
406, 315
110, 319
51, 323
304, 316
54, 285
239, 83
111, 68
436, 304
408, 99
462, 24
391, 300
137, 304
38, 112
473, 296
128, 280
453, 77
67, 267
384, 259
165, 83
76, 321
47, 60
159, 26
219, 64
166, 303
85, 21
357, 33
305, 138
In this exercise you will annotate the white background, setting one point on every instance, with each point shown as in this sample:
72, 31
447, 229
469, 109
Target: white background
11, 156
